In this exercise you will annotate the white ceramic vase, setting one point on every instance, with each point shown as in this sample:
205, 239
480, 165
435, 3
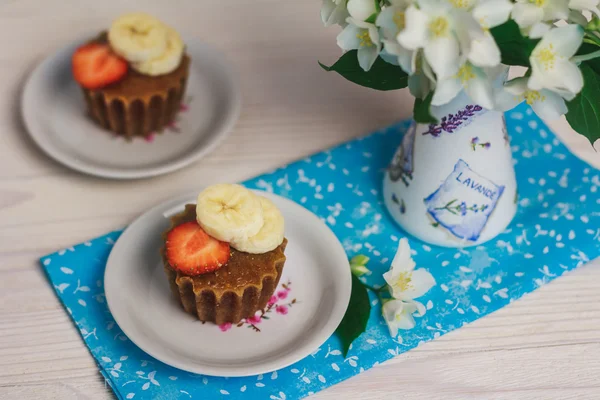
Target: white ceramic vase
453, 184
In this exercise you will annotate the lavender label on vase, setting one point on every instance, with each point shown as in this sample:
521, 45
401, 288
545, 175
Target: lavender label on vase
463, 202
401, 167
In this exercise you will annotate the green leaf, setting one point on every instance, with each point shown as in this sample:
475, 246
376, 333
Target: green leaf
357, 314
359, 270
591, 40
372, 18
359, 259
421, 112
381, 76
584, 109
514, 47
593, 25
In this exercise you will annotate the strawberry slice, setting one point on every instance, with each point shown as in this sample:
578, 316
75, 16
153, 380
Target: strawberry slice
192, 251
95, 65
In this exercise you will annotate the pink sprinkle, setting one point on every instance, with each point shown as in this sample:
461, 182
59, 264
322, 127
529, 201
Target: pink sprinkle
225, 327
183, 107
149, 138
281, 310
255, 319
272, 300
282, 294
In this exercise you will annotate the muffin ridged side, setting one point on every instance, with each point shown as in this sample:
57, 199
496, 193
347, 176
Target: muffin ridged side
135, 116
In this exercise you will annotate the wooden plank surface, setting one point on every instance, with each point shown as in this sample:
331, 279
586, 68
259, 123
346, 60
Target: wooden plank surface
544, 346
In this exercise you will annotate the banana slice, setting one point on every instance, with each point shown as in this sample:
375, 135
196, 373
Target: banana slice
270, 235
230, 213
138, 37
166, 62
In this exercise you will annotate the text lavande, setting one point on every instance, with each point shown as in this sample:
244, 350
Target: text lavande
473, 184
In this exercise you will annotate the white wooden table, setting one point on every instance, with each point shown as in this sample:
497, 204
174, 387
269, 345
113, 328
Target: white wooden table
545, 346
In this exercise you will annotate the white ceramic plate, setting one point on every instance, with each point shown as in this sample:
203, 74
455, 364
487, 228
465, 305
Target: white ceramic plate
140, 300
54, 113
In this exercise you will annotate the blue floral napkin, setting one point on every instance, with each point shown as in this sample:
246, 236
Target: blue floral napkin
557, 228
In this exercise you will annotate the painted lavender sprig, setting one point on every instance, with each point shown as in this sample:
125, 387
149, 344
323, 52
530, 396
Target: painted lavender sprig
462, 208
475, 142
451, 122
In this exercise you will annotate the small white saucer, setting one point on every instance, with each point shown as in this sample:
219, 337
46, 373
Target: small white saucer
54, 113
305, 314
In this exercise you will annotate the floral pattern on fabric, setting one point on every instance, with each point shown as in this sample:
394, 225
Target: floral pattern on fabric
556, 229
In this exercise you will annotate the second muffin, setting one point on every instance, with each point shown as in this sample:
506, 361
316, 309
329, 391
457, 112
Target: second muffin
133, 76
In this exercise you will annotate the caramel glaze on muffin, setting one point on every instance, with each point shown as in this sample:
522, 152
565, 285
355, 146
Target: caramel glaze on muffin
236, 291
138, 104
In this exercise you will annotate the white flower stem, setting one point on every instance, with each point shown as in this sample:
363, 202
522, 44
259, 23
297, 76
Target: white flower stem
377, 291
585, 57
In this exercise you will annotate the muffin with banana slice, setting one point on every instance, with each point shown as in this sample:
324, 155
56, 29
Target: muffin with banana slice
133, 76
224, 255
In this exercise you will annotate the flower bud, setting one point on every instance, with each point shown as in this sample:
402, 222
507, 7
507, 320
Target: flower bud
361, 9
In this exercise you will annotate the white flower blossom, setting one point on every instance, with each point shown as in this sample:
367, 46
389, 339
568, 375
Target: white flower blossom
551, 65
576, 17
405, 283
473, 80
547, 104
484, 51
534, 17
585, 5
392, 21
433, 27
361, 36
334, 12
395, 54
422, 80
398, 315
445, 46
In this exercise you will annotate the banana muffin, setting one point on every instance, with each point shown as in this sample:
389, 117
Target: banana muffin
224, 256
134, 76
